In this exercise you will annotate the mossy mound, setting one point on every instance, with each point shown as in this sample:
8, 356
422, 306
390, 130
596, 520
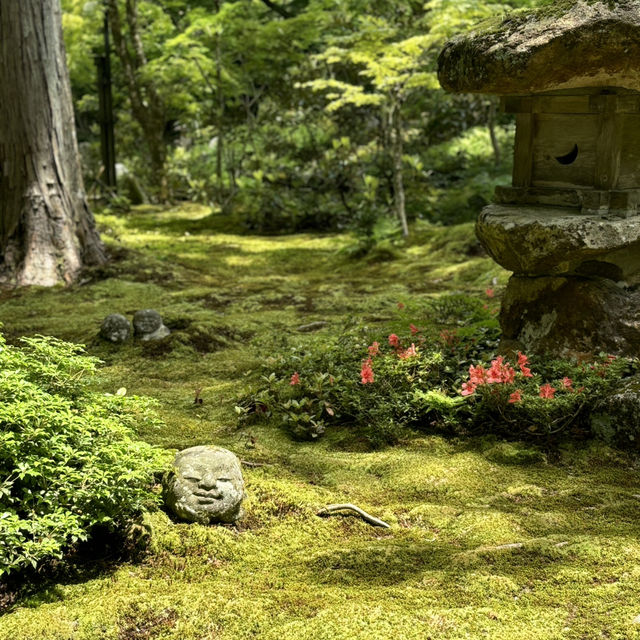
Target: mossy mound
442, 570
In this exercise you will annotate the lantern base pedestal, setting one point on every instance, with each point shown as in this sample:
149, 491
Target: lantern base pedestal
541, 241
570, 317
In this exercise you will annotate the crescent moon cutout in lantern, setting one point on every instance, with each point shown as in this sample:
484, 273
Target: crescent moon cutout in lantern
570, 157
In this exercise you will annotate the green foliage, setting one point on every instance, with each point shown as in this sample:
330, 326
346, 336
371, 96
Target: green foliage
385, 384
557, 400
447, 568
414, 382
68, 459
259, 132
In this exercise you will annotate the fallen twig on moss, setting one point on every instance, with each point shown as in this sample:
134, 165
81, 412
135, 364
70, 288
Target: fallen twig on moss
519, 545
254, 465
329, 509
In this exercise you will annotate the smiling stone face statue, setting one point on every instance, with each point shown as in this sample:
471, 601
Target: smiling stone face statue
206, 486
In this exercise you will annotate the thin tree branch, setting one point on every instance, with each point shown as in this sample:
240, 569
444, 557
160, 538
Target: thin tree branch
277, 8
329, 509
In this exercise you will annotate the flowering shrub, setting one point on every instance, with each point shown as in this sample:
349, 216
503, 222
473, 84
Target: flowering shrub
352, 380
522, 402
443, 378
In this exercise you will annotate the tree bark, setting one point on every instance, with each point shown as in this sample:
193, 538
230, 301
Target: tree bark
47, 233
398, 175
147, 106
491, 125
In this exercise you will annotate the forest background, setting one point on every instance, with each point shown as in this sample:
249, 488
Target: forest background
300, 115
275, 117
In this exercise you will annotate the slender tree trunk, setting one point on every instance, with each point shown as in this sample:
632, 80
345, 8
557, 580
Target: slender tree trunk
491, 124
147, 106
220, 145
47, 233
398, 178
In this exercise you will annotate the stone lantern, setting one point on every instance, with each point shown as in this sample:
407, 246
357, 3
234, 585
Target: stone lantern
569, 226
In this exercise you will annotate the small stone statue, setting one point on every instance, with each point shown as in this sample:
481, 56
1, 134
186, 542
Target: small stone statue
115, 328
206, 486
147, 325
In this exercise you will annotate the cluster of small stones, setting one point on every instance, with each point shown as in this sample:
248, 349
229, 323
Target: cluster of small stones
147, 325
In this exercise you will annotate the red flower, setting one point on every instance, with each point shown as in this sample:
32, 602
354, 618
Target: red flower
547, 391
394, 341
366, 372
490, 293
516, 396
414, 329
477, 375
408, 353
400, 305
499, 372
468, 388
295, 379
522, 363
567, 383
374, 349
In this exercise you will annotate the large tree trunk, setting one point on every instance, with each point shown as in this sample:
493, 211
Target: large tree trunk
47, 233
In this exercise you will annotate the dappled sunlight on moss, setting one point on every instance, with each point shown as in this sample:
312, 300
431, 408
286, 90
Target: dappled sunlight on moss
447, 568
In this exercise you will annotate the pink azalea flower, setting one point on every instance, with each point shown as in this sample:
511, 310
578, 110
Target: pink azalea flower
547, 391
468, 388
408, 353
366, 372
500, 372
515, 397
522, 363
477, 375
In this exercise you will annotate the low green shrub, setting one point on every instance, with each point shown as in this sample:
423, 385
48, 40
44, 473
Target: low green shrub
308, 387
431, 378
543, 398
68, 458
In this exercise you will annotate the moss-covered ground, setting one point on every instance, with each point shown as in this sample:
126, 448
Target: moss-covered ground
488, 539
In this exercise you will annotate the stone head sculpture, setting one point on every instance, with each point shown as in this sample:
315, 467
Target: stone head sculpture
205, 486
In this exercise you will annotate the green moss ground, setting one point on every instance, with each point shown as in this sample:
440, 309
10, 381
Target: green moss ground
443, 570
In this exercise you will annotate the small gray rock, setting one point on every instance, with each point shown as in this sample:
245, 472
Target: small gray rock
115, 328
205, 486
147, 325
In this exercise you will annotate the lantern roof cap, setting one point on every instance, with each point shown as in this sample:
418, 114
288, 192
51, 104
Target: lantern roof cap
568, 44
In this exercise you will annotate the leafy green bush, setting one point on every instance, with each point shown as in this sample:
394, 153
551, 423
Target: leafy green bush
544, 398
68, 460
431, 379
308, 387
